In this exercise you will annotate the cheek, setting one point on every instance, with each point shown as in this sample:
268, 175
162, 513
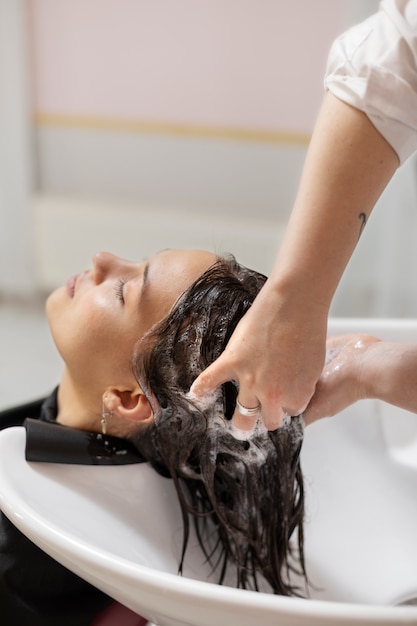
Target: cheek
94, 326
104, 337
82, 328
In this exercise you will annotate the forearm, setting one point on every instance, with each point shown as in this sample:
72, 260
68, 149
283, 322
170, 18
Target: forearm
277, 351
347, 167
360, 367
389, 373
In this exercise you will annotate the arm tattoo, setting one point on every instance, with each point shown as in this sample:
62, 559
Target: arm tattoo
362, 216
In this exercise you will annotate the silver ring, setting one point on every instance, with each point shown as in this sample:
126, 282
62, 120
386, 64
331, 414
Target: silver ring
243, 410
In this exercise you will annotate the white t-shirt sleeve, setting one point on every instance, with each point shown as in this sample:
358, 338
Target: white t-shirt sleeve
373, 67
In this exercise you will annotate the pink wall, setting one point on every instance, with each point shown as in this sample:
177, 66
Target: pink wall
236, 63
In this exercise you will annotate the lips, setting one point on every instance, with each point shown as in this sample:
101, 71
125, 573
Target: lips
71, 283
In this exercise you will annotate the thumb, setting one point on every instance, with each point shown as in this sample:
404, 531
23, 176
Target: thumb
212, 377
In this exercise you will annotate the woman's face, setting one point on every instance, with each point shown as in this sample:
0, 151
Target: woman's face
99, 315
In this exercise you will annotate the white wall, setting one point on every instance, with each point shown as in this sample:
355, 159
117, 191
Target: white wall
154, 108
16, 217
69, 230
380, 278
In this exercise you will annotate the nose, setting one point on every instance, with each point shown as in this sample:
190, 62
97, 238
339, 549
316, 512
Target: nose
104, 265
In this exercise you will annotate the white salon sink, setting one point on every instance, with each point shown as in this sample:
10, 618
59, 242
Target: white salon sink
120, 527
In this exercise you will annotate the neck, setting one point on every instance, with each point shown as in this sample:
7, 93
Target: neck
77, 407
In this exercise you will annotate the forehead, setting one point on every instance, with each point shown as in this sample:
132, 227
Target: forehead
169, 274
181, 267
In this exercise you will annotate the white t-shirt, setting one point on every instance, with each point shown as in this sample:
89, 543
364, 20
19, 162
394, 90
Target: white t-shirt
373, 67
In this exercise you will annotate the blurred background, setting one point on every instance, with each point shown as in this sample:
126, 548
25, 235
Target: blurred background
136, 125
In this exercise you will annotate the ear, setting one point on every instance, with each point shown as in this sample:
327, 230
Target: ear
130, 404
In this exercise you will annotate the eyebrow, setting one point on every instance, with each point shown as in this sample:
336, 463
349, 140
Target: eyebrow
145, 282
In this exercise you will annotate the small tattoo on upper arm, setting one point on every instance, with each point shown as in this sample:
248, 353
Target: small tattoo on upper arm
362, 216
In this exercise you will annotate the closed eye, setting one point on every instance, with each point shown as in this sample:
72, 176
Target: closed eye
119, 290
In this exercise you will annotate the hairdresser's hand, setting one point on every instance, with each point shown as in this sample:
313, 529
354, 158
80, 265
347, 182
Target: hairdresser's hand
351, 365
276, 355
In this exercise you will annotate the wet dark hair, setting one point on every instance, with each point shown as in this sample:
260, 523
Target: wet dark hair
250, 491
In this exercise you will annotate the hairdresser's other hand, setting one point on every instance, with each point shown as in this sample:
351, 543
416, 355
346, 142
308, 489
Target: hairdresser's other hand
276, 355
346, 376
362, 366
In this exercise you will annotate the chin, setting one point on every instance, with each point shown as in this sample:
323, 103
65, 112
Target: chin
53, 306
